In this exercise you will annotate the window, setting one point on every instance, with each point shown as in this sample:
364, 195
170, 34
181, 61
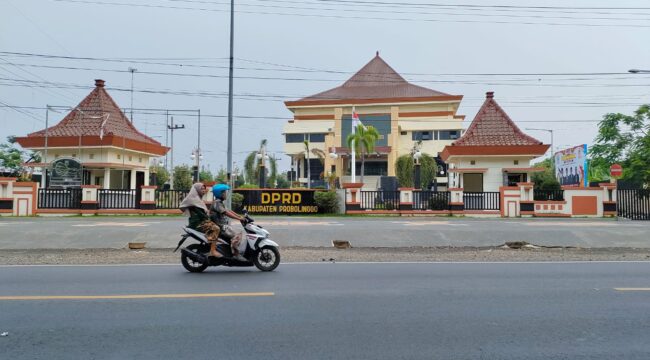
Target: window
140, 159
294, 138
74, 155
513, 179
403, 132
56, 156
119, 156
448, 134
516, 162
91, 156
473, 182
472, 162
422, 135
317, 138
130, 158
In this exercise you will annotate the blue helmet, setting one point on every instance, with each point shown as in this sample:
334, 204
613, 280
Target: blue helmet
218, 189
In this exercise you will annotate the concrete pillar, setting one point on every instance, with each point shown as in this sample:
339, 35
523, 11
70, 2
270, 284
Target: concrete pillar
406, 198
132, 182
107, 178
393, 140
456, 203
146, 177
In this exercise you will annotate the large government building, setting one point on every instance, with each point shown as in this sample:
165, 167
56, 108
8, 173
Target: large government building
403, 114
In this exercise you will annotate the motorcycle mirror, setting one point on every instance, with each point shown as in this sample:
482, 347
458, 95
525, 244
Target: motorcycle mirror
244, 210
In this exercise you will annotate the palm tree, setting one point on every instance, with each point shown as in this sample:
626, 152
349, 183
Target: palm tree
363, 140
252, 166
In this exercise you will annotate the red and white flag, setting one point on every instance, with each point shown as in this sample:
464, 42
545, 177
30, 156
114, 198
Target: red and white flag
355, 118
101, 127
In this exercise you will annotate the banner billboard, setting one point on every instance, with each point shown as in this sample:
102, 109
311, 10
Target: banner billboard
571, 166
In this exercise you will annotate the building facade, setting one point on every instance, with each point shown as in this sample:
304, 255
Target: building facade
492, 153
94, 144
402, 113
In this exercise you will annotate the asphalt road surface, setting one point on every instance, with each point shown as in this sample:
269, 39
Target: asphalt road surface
328, 311
163, 232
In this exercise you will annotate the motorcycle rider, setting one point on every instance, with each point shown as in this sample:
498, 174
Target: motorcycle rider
199, 219
220, 215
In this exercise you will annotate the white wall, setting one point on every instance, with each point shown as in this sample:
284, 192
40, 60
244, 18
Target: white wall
493, 177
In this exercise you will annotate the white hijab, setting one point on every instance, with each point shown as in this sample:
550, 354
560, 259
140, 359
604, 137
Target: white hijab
193, 199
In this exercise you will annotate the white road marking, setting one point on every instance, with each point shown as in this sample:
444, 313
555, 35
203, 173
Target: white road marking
300, 223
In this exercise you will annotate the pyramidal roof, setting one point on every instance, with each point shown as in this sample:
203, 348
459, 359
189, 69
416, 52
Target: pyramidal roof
86, 119
96, 121
376, 80
493, 127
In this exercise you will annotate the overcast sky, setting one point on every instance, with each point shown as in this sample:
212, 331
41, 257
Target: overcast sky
286, 49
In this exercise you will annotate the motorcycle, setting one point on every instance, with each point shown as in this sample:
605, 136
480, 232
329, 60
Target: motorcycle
255, 250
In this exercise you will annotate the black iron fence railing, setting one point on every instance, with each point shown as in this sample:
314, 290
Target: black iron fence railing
59, 198
170, 199
482, 200
548, 195
633, 204
431, 200
117, 199
379, 200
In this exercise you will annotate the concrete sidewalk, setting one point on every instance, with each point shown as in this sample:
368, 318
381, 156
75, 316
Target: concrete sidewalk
164, 232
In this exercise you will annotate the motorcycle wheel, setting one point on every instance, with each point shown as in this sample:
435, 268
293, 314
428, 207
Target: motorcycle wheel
267, 258
191, 265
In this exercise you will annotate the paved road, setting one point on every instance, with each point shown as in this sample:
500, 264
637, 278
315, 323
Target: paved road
163, 232
330, 311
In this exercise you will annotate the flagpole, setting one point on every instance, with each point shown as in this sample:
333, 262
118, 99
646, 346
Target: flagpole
354, 151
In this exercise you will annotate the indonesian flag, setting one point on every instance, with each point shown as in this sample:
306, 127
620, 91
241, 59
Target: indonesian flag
355, 118
101, 127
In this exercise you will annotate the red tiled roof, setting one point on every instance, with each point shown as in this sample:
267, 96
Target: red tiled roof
376, 80
93, 111
493, 127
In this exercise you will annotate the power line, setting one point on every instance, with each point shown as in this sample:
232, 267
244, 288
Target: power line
358, 17
305, 69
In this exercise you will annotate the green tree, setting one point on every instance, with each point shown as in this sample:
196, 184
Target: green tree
11, 159
162, 175
545, 180
282, 182
624, 139
252, 167
205, 175
404, 169
221, 176
182, 177
363, 140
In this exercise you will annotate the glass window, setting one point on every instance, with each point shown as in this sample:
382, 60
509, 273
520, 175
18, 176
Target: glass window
295, 138
448, 134
317, 138
422, 135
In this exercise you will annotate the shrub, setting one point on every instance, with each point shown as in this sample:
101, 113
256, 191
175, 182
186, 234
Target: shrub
248, 186
237, 201
326, 201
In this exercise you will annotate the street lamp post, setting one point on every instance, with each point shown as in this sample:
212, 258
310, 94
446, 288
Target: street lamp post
197, 156
417, 154
132, 70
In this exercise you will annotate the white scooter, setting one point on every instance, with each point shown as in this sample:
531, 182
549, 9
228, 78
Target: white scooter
257, 249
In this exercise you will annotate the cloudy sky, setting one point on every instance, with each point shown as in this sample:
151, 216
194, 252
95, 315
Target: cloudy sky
556, 65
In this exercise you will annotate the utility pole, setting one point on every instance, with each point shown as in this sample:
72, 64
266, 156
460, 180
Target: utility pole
45, 169
132, 70
173, 127
166, 135
199, 155
230, 83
